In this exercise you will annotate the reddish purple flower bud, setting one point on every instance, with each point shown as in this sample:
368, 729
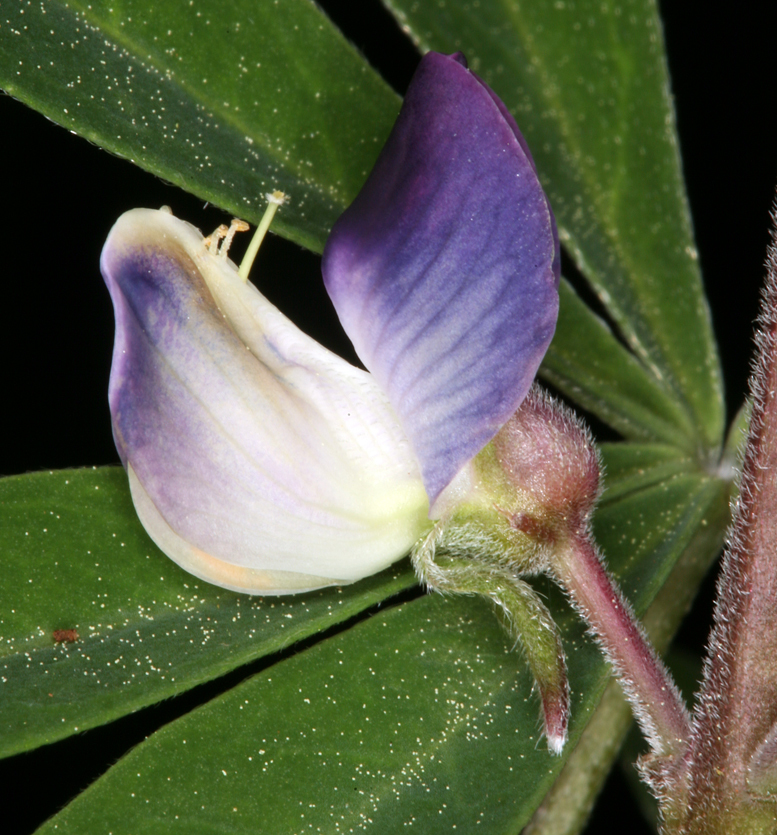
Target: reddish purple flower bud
548, 456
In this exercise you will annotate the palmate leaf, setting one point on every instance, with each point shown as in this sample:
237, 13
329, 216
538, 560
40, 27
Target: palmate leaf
663, 392
422, 714
122, 75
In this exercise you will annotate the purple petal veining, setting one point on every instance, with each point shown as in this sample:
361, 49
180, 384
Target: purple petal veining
444, 271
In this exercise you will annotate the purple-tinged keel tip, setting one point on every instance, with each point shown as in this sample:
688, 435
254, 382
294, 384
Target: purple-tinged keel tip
257, 459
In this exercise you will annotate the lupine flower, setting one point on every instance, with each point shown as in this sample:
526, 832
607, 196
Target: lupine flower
260, 461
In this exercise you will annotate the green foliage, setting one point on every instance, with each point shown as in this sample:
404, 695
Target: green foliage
76, 557
205, 99
408, 715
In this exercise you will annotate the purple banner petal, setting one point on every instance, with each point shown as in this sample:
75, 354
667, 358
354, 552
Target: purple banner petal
257, 459
444, 270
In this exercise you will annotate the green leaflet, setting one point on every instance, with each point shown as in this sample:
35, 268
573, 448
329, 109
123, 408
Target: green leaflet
421, 714
203, 96
588, 363
76, 557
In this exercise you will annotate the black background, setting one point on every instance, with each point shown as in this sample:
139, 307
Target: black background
63, 194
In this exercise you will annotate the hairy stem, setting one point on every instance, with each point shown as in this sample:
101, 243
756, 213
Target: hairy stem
656, 702
732, 779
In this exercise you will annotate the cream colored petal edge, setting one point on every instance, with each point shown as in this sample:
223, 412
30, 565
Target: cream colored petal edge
211, 569
327, 491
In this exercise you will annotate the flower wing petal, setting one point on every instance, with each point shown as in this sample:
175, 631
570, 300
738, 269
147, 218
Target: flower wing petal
444, 270
258, 460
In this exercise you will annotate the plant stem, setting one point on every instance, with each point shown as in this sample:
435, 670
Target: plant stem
568, 805
656, 702
732, 780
